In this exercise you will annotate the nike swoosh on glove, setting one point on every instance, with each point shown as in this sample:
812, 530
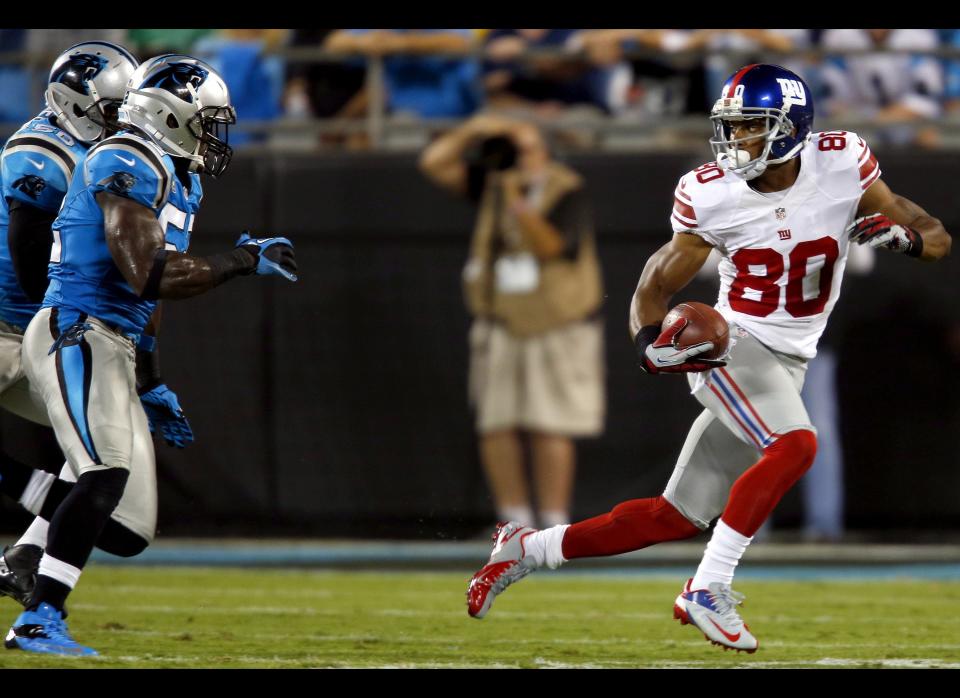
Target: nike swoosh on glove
273, 255
660, 353
164, 413
878, 230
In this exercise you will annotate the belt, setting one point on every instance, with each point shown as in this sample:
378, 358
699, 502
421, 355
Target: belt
137, 338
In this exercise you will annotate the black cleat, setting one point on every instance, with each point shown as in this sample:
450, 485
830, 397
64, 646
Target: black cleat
18, 571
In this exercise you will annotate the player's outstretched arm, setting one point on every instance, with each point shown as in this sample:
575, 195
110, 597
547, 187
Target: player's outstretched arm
670, 268
136, 244
887, 220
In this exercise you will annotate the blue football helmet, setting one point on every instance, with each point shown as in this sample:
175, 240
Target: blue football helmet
761, 91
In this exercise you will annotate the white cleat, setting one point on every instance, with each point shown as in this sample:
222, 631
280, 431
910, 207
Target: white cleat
714, 612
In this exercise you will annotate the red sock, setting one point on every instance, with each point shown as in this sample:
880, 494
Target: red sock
630, 526
755, 493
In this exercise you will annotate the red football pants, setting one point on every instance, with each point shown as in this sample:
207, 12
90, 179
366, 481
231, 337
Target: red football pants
639, 523
755, 493
630, 526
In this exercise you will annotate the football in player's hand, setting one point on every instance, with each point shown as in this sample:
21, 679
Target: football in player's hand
704, 324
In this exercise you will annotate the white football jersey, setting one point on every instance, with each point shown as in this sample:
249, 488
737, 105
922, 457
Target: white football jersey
783, 254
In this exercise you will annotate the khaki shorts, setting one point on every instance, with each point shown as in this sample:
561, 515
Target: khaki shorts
552, 383
749, 403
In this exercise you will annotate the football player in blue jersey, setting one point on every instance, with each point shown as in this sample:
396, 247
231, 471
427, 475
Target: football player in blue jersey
86, 86
120, 244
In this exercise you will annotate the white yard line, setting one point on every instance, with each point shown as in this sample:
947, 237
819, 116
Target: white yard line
228, 661
214, 592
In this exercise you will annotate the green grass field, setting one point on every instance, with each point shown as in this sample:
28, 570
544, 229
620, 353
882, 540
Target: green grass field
182, 617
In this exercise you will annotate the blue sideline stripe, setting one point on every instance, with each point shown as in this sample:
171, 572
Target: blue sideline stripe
927, 571
433, 555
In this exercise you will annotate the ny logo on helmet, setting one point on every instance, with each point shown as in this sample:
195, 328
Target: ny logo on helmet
793, 92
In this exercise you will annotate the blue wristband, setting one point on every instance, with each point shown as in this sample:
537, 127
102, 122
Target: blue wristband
147, 342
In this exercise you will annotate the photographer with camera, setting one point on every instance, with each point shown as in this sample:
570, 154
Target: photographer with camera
533, 286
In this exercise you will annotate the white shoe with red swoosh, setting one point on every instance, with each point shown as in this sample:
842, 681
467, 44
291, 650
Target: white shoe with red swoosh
714, 612
508, 563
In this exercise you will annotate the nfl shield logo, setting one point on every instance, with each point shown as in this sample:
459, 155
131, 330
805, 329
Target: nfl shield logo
781, 213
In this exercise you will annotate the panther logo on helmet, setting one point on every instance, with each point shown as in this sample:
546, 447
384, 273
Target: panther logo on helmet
79, 70
183, 105
86, 85
178, 78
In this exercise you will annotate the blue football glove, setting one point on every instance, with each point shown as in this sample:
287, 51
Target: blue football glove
273, 255
164, 413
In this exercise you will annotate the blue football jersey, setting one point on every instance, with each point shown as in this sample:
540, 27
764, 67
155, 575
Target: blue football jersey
35, 167
83, 275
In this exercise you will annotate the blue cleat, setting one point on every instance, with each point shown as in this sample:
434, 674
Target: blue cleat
44, 631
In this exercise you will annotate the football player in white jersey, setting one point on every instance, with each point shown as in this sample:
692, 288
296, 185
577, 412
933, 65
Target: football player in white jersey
782, 205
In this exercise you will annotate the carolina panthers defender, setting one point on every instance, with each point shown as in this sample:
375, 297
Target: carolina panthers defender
85, 88
782, 205
120, 244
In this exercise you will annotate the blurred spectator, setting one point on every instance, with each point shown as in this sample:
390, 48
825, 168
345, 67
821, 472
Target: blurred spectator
658, 87
255, 80
952, 91
677, 86
533, 285
590, 74
16, 106
719, 43
324, 88
21, 84
755, 43
146, 43
416, 81
55, 41
891, 89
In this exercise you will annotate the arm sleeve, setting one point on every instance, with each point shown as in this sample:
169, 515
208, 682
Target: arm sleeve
688, 217
573, 217
29, 238
867, 164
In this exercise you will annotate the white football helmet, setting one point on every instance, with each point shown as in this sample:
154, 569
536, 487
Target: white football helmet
86, 85
182, 104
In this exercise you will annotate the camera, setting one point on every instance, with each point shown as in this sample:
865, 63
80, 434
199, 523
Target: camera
498, 153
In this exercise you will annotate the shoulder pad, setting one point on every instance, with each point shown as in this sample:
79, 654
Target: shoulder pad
845, 151
129, 166
37, 168
698, 195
